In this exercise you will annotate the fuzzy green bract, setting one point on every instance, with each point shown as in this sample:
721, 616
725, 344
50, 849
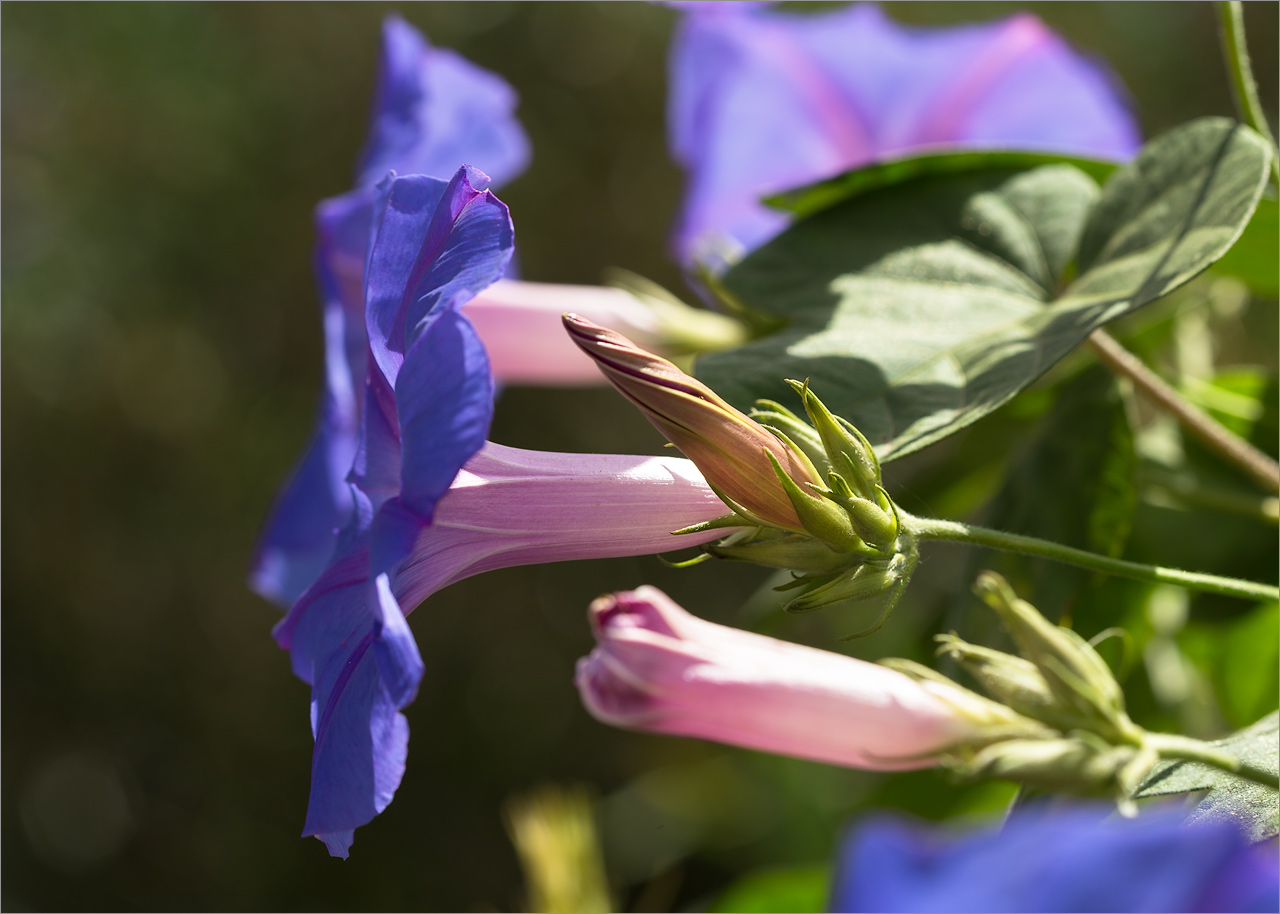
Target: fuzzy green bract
924, 299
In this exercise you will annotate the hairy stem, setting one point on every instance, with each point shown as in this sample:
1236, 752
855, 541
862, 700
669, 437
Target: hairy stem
1171, 746
1212, 434
1244, 86
927, 528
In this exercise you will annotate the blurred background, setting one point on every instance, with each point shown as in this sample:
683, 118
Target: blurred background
161, 362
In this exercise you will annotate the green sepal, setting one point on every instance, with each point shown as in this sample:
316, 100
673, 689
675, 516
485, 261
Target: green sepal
732, 519
1012, 681
686, 563
822, 519
841, 441
871, 522
1079, 678
777, 418
790, 551
865, 581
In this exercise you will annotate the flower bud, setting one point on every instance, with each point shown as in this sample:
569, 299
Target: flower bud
658, 668
1010, 680
735, 453
1078, 765
1082, 684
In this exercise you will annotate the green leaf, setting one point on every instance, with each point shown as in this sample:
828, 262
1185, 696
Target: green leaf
807, 200
792, 888
1074, 484
1253, 258
915, 309
1246, 675
1251, 806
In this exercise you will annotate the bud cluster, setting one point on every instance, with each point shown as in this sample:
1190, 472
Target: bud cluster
805, 496
1087, 742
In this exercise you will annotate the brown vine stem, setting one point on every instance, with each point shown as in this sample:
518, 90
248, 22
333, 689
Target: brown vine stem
1215, 436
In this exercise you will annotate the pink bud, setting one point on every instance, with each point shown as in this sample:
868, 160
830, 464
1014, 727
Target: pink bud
730, 448
658, 668
519, 324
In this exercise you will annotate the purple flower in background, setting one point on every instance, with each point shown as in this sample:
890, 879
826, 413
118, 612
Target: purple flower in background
434, 109
763, 101
433, 112
1064, 860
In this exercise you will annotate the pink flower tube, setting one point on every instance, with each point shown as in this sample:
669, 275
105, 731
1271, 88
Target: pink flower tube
519, 323
658, 668
509, 506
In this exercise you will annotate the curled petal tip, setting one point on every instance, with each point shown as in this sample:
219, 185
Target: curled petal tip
732, 450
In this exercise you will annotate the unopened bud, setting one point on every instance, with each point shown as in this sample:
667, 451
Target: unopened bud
735, 453
1080, 680
1081, 765
1008, 679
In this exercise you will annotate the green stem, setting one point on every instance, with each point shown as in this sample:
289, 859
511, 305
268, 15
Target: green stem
1185, 492
928, 528
1245, 87
1212, 433
1171, 746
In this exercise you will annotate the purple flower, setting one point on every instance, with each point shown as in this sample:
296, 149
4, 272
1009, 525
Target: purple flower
419, 523
764, 101
658, 668
433, 112
1065, 860
347, 634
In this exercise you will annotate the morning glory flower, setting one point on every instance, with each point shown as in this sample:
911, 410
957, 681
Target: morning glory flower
433, 503
1058, 860
433, 111
347, 635
658, 668
764, 100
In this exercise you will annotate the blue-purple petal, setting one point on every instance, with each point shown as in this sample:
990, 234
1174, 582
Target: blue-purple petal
362, 741
444, 397
1064, 860
435, 111
315, 502
437, 245
399, 663
348, 638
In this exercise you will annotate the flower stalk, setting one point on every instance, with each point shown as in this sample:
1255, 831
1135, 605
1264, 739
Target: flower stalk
926, 528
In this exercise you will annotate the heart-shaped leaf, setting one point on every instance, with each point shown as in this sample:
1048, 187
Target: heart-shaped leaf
918, 307
1253, 807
